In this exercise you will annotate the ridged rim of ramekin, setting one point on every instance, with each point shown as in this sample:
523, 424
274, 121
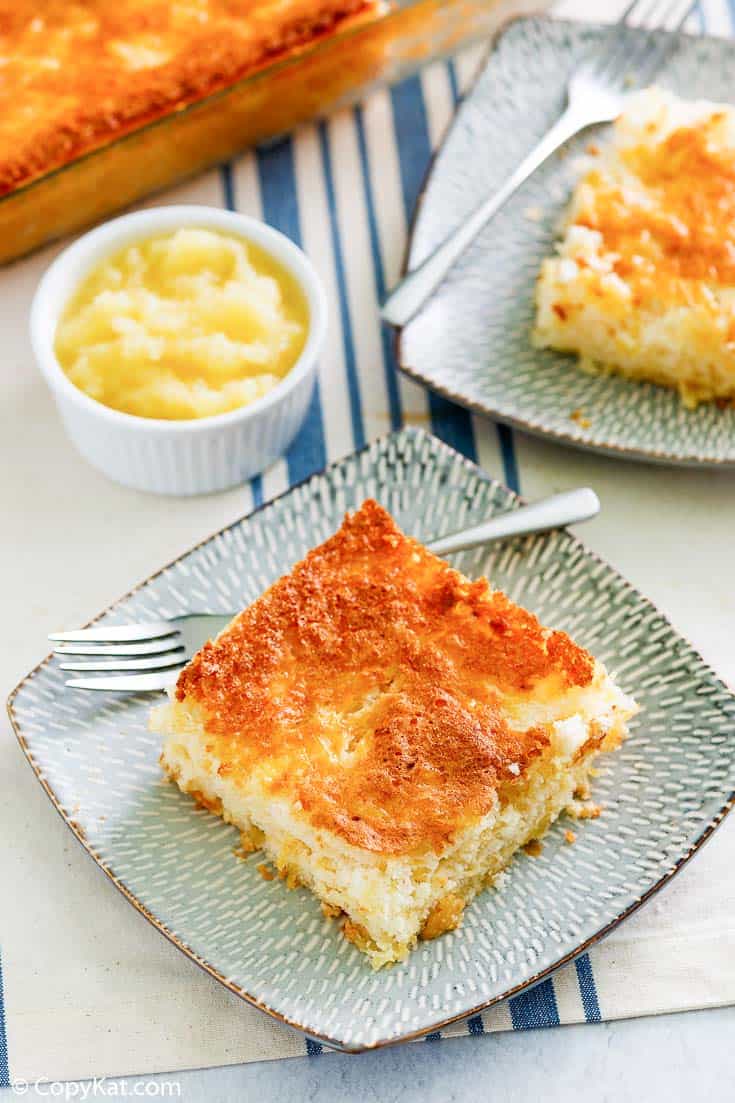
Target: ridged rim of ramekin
64, 275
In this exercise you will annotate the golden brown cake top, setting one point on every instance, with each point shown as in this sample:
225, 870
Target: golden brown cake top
669, 216
76, 73
377, 686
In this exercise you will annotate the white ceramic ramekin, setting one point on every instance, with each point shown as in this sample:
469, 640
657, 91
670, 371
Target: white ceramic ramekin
177, 457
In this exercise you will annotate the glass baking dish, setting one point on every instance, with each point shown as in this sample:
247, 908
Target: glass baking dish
380, 47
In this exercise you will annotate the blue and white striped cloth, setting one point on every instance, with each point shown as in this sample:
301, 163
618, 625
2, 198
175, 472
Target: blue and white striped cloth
345, 190
327, 188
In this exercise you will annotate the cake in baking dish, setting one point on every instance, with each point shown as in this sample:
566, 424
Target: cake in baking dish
76, 74
388, 732
643, 282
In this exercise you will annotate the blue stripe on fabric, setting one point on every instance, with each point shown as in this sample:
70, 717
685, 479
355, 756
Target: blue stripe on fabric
353, 384
451, 423
256, 485
4, 1062
308, 452
510, 462
230, 197
386, 333
228, 186
277, 176
535, 1008
313, 1049
475, 1025
588, 989
454, 82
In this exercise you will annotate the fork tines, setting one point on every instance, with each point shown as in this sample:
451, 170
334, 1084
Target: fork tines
154, 651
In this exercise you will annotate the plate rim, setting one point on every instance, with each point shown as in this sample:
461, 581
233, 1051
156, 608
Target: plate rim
534, 428
334, 1043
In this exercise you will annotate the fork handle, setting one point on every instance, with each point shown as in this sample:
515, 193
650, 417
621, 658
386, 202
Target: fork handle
416, 287
568, 508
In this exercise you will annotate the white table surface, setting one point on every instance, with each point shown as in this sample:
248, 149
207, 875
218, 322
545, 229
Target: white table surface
666, 1059
73, 542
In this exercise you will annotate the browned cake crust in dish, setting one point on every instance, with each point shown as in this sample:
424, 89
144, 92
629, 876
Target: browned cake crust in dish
76, 75
379, 684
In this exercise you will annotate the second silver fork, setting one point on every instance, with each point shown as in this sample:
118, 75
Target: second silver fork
595, 94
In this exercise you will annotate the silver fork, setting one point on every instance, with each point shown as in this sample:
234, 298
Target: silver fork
158, 650
595, 94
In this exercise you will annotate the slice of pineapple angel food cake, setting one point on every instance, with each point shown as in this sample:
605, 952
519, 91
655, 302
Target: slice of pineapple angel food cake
388, 732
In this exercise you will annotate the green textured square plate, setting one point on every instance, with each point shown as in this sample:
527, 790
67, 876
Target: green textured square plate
665, 790
471, 342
